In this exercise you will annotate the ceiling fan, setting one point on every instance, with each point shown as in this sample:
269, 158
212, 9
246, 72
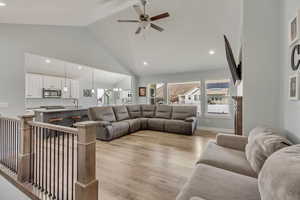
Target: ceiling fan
145, 21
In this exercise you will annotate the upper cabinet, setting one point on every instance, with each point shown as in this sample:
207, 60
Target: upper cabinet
52, 82
34, 86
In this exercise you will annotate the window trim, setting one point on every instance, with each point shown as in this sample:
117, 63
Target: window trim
215, 115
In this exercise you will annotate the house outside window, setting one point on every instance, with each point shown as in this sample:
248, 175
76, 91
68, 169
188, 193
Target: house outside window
217, 97
185, 94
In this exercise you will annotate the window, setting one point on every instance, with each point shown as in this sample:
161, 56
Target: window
156, 93
217, 97
185, 93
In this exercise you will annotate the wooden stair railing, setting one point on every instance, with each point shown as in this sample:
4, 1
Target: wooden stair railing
58, 161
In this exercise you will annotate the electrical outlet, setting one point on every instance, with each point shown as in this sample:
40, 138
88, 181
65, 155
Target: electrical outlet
3, 105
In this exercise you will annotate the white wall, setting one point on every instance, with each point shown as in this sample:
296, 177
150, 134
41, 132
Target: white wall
291, 109
125, 84
73, 44
261, 68
222, 123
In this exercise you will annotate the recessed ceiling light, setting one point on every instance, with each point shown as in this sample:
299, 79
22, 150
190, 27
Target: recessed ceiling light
80, 67
145, 63
2, 4
48, 61
212, 52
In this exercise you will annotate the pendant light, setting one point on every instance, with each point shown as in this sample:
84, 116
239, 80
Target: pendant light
65, 89
93, 82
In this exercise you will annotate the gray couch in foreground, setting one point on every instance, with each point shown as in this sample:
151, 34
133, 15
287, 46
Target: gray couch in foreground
264, 166
118, 121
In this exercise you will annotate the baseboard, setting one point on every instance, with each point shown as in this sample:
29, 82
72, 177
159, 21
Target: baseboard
218, 130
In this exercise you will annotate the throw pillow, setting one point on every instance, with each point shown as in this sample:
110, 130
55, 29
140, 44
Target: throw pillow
279, 178
262, 147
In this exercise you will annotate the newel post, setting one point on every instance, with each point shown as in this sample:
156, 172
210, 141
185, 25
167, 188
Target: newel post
24, 149
86, 187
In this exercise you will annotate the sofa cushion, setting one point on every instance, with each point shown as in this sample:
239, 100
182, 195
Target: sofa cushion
184, 112
121, 113
262, 147
134, 125
102, 114
119, 129
279, 178
148, 111
214, 183
134, 111
156, 124
163, 111
260, 130
179, 126
226, 158
112, 131
144, 123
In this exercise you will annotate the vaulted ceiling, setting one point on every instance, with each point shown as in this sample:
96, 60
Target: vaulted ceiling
60, 12
194, 28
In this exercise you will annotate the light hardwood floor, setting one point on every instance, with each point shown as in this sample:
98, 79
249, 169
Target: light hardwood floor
147, 165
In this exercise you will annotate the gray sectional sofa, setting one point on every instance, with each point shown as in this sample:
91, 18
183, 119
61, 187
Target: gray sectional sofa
117, 121
264, 166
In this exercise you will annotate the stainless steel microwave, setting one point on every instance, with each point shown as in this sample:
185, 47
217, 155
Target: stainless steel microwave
50, 93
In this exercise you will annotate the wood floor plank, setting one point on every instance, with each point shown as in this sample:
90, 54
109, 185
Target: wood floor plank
147, 165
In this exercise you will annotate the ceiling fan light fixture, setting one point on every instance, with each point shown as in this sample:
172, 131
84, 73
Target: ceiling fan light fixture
145, 63
145, 20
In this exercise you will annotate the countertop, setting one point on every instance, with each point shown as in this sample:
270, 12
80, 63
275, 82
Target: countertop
68, 109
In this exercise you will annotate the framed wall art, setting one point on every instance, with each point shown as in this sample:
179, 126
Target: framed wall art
294, 87
142, 91
294, 29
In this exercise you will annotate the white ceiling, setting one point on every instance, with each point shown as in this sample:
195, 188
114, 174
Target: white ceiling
60, 12
37, 64
194, 28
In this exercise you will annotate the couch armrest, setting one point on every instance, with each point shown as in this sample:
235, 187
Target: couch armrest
104, 123
232, 141
190, 119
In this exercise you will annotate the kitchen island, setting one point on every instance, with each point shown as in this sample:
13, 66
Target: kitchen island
61, 116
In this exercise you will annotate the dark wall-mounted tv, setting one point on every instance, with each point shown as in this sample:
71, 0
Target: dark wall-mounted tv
236, 70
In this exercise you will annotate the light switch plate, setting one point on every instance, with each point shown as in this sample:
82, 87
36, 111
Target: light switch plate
3, 105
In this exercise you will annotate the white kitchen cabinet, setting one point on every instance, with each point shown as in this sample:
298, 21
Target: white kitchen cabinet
52, 82
34, 86
75, 89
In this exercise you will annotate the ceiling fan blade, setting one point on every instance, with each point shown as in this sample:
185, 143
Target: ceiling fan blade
161, 16
138, 10
138, 31
132, 21
157, 27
